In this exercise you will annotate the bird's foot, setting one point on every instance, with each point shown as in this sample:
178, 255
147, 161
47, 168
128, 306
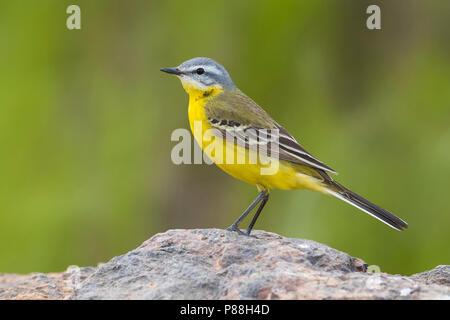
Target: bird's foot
236, 229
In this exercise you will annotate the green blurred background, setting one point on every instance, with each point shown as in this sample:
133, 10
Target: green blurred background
86, 118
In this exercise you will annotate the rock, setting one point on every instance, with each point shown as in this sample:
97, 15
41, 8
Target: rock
218, 264
439, 275
40, 286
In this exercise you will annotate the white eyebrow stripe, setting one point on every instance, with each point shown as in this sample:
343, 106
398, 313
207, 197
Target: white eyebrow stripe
209, 69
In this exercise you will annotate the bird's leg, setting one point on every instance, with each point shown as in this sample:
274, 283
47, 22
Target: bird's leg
235, 225
255, 217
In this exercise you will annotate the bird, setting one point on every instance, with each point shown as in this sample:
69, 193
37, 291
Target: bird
243, 128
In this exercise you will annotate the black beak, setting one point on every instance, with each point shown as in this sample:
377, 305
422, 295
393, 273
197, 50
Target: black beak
171, 71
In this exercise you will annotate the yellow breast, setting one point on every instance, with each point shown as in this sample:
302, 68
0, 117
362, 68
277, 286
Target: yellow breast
288, 176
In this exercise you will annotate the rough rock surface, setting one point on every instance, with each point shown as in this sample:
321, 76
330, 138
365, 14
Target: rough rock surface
218, 264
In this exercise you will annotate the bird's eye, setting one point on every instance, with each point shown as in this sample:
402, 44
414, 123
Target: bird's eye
200, 71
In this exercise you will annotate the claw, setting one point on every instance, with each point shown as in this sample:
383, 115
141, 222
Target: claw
233, 228
247, 233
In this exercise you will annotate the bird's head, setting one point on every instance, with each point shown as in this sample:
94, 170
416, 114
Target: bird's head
201, 74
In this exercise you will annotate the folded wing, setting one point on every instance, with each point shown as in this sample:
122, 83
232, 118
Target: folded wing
276, 141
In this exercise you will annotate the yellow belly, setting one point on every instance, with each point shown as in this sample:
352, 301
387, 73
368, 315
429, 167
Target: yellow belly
288, 176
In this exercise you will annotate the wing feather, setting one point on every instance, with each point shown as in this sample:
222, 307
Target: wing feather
240, 120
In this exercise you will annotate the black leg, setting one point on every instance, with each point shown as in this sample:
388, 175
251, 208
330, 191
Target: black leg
255, 217
235, 225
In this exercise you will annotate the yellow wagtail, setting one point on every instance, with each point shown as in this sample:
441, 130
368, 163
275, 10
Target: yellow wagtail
216, 103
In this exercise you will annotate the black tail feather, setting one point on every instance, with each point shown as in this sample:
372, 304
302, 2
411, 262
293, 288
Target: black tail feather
385, 216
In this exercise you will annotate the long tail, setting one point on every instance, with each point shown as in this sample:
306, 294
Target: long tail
359, 202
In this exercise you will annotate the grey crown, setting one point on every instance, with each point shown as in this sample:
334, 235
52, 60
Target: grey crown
214, 73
